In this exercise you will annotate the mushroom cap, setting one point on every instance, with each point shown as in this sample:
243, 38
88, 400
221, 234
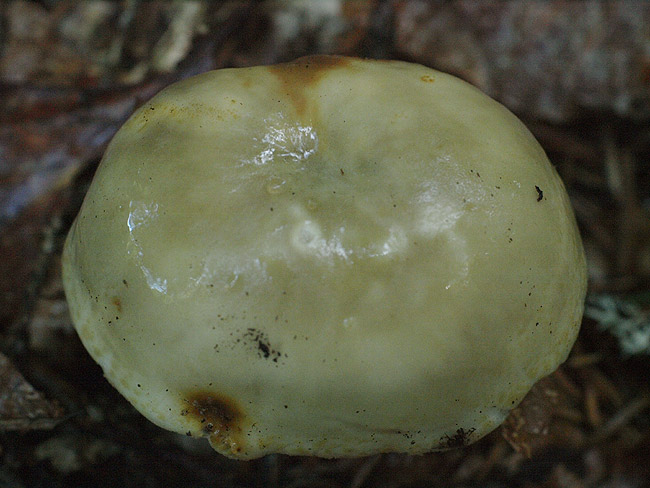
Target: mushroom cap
334, 257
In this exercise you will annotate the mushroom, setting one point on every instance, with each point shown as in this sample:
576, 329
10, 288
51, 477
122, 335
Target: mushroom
331, 257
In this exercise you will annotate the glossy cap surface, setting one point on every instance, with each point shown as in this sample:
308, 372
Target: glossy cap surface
332, 256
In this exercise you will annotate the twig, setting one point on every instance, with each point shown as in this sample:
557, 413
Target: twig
364, 471
621, 418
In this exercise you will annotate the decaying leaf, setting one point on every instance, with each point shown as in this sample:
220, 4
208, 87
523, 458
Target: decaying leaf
527, 425
21, 406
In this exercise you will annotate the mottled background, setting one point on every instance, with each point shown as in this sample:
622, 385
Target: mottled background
577, 73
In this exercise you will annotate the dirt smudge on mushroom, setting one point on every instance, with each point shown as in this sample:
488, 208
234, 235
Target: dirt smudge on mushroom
219, 418
297, 75
260, 343
117, 303
459, 439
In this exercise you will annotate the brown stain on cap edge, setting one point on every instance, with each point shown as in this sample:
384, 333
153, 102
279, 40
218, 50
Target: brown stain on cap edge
217, 416
299, 74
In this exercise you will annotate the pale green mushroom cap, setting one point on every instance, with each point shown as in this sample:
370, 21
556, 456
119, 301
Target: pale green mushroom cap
332, 257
